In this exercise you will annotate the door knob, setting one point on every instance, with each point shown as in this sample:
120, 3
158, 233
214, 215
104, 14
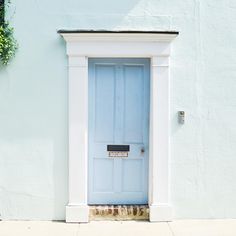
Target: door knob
142, 150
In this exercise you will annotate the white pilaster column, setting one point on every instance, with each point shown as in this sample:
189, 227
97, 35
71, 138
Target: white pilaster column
159, 202
77, 209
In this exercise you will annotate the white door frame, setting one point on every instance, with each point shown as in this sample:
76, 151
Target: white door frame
154, 45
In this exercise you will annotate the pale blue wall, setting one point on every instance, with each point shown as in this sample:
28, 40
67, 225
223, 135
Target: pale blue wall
33, 102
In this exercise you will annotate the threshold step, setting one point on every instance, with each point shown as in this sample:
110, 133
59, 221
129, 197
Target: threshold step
119, 212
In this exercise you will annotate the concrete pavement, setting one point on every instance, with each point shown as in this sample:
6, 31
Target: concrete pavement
114, 228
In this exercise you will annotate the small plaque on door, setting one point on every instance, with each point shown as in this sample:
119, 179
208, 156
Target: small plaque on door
118, 154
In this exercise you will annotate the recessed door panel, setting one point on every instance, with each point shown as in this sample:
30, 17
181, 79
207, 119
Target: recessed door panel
133, 103
103, 180
104, 88
132, 176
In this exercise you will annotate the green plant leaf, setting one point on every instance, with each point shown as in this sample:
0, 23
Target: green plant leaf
8, 44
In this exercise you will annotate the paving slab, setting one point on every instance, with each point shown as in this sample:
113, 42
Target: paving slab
203, 227
124, 228
37, 228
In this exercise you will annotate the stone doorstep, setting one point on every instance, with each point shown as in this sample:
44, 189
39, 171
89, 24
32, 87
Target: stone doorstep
119, 212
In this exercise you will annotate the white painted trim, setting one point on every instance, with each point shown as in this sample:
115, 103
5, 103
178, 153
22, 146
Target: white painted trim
160, 213
125, 37
79, 48
159, 141
78, 144
77, 213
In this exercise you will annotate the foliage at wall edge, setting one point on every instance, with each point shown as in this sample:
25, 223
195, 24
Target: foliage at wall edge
8, 44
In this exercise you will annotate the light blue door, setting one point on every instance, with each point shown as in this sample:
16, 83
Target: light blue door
119, 115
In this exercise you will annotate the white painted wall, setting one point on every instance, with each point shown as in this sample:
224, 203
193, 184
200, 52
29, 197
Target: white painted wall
33, 102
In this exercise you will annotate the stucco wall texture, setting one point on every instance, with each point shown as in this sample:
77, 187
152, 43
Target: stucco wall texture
34, 111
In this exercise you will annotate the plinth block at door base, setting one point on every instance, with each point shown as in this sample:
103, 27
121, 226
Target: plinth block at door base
75, 214
160, 213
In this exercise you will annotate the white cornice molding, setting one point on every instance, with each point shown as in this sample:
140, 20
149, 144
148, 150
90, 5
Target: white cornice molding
125, 37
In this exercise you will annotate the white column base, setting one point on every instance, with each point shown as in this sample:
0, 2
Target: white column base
77, 214
160, 213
